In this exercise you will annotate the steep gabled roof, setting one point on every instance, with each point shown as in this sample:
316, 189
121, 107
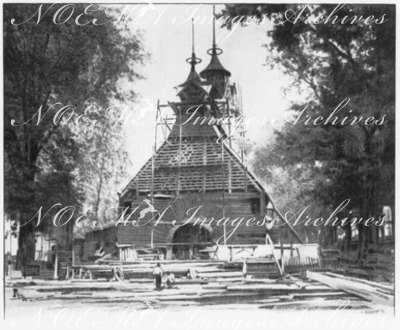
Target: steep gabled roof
204, 165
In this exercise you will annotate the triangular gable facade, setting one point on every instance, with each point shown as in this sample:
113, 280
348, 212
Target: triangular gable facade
195, 191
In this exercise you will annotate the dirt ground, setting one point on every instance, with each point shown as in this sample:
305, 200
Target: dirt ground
133, 304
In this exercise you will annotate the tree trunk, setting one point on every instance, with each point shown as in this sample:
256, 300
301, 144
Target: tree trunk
26, 246
26, 238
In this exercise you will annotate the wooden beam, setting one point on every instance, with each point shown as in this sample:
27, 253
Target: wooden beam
262, 203
56, 263
269, 242
385, 287
294, 232
363, 290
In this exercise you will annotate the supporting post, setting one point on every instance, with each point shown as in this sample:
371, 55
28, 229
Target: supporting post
282, 251
269, 241
262, 203
73, 260
180, 151
229, 123
152, 170
223, 188
245, 178
56, 264
204, 168
10, 264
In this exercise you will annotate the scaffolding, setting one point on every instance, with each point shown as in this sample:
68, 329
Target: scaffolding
226, 112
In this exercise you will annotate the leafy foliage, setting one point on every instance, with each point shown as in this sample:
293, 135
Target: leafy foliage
61, 159
335, 59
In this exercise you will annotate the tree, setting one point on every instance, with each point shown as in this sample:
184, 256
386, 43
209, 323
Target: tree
103, 161
293, 188
338, 54
50, 64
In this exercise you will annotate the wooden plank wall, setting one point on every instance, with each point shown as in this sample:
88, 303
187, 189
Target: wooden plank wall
235, 207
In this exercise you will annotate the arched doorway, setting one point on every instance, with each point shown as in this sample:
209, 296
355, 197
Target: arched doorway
188, 240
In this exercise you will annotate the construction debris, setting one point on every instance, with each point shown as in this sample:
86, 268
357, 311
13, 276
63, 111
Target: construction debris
233, 289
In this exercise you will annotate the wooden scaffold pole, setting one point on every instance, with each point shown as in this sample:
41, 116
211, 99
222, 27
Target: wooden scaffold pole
223, 188
152, 170
180, 151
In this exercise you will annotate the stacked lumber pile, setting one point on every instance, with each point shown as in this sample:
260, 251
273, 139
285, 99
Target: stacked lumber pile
262, 268
375, 292
287, 292
130, 270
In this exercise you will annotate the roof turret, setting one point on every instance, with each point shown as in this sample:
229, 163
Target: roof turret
215, 64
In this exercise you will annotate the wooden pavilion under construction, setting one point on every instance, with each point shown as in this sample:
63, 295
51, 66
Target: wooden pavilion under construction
195, 176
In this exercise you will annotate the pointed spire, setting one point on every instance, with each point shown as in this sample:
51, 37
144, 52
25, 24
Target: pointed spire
192, 36
193, 60
214, 44
215, 64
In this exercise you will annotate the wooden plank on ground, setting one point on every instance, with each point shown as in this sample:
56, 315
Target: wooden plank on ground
384, 287
362, 290
318, 303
